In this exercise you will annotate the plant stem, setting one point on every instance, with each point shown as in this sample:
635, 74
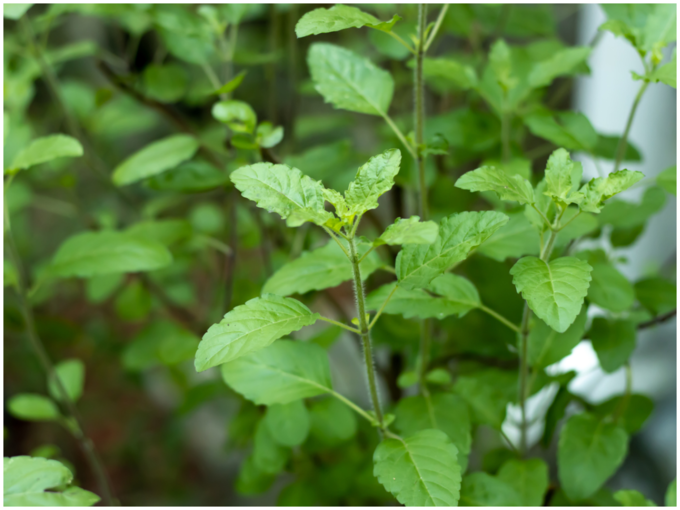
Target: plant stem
500, 318
352, 405
623, 143
505, 136
419, 110
387, 300
85, 442
364, 333
437, 24
340, 324
623, 405
399, 134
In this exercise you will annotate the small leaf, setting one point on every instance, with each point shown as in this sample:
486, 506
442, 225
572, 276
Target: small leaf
571, 130
500, 63
589, 452
632, 498
166, 232
232, 84
561, 177
488, 178
46, 149
332, 422
453, 73
613, 341
269, 456
420, 470
97, 253
671, 493
563, 62
554, 291
72, 375
239, 116
600, 189
281, 373
288, 423
482, 489
348, 81
418, 265
190, 177
609, 289
487, 393
155, 158
667, 73
372, 180
409, 231
339, 17
668, 180
268, 136
250, 327
607, 147
165, 83
32, 407
528, 477
546, 346
162, 342
656, 295
516, 238
632, 411
446, 412
287, 191
15, 11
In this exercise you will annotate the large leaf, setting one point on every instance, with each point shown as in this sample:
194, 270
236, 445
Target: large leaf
96, 253
589, 452
155, 158
600, 189
26, 480
613, 341
546, 346
420, 470
528, 477
459, 234
518, 237
660, 27
250, 327
284, 190
288, 423
281, 373
322, 268
372, 180
409, 231
562, 63
488, 178
348, 81
482, 489
71, 373
554, 291
46, 149
444, 411
609, 289
339, 17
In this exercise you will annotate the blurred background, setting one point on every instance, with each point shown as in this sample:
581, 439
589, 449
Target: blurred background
170, 436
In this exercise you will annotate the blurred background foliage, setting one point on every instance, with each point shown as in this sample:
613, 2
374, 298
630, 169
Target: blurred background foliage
119, 77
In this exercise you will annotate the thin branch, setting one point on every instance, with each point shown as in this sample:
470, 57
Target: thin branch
659, 319
400, 135
437, 24
500, 318
370, 326
336, 323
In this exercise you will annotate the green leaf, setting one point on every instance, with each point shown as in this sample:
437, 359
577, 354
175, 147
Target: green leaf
660, 27
600, 189
459, 234
546, 346
409, 231
589, 452
10, 275
46, 149
162, 342
656, 295
251, 480
632, 411
134, 303
487, 393
562, 176
607, 146
32, 407
15, 11
269, 456
190, 177
500, 63
332, 422
268, 136
613, 341
155, 158
250, 327
554, 291
609, 289
165, 83
563, 62
667, 73
529, 478
97, 253
555, 413
322, 268
26, 479
339, 17
420, 470
488, 178
624, 215
668, 180
567, 129
632, 498
165, 232
446, 412
671, 493
72, 375
284, 190
517, 238
281, 373
100, 288
232, 84
239, 116
457, 74
372, 180
348, 81
482, 489
288, 423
